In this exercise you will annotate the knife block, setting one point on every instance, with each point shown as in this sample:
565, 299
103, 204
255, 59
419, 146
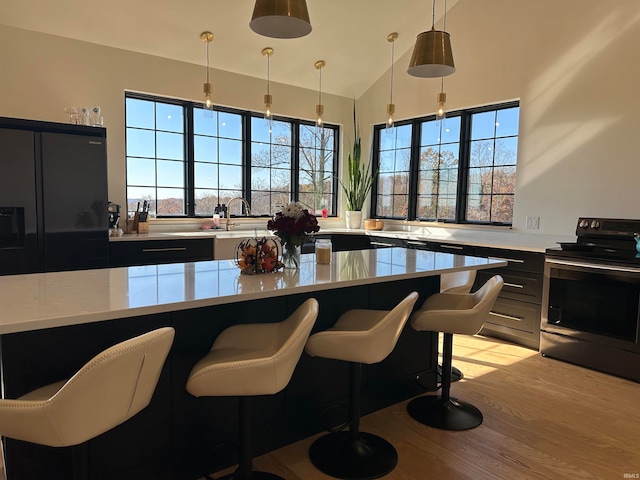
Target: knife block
141, 227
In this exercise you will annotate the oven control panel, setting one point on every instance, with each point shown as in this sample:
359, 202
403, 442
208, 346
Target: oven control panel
610, 227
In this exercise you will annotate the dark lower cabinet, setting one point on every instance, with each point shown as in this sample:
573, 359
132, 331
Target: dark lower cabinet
151, 252
516, 314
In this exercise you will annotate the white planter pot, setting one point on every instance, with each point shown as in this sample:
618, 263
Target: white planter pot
354, 219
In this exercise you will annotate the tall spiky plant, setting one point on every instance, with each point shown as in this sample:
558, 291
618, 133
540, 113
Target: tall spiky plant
360, 177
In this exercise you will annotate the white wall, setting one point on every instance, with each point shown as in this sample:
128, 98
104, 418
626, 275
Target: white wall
572, 63
41, 74
574, 66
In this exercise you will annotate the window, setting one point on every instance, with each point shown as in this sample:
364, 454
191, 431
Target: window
186, 160
459, 170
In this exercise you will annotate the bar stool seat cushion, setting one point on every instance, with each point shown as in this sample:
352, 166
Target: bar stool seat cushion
253, 359
360, 335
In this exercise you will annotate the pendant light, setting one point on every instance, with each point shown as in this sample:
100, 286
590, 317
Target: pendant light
281, 18
319, 107
207, 37
441, 113
391, 108
268, 99
432, 56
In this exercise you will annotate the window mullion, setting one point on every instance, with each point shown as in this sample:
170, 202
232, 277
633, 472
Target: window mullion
464, 160
414, 161
190, 193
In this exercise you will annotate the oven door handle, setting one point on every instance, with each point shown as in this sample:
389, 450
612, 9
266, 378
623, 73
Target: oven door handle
594, 266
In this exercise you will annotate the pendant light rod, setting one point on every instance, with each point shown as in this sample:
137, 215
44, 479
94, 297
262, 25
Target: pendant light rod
207, 88
268, 99
391, 108
319, 107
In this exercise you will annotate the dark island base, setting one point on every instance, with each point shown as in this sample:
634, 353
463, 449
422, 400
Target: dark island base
182, 437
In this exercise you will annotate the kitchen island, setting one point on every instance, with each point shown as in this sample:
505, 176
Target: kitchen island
52, 323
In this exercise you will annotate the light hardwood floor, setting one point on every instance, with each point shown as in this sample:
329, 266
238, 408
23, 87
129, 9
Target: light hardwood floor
543, 419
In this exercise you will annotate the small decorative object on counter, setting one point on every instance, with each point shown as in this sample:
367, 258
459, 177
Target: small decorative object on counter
323, 250
292, 226
255, 255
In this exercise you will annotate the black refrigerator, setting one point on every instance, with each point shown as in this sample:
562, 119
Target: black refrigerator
53, 197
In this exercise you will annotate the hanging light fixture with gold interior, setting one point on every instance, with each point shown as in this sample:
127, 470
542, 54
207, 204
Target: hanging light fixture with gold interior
268, 99
207, 37
281, 18
432, 56
319, 107
391, 108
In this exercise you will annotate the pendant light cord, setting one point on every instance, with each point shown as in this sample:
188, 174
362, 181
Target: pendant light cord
433, 15
444, 17
268, 72
393, 48
320, 88
208, 62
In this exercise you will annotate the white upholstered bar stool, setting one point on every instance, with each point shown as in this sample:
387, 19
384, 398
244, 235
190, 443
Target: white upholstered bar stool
253, 359
359, 336
456, 282
107, 391
452, 313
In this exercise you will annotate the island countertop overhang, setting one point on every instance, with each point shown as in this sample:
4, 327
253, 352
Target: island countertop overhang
49, 300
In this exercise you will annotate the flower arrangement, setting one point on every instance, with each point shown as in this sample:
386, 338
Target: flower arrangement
258, 256
293, 225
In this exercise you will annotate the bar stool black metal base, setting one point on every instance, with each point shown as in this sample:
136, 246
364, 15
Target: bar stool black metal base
445, 414
253, 476
339, 455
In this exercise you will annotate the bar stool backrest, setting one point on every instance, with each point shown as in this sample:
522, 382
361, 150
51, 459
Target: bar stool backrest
108, 390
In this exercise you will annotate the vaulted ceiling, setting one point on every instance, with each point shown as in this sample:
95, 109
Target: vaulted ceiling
350, 35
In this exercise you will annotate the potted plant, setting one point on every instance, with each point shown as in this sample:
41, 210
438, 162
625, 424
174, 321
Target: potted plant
360, 179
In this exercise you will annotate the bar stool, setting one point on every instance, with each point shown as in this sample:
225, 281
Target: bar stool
452, 313
107, 391
252, 359
359, 336
456, 282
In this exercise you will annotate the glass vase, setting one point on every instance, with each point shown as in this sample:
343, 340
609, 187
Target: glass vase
291, 255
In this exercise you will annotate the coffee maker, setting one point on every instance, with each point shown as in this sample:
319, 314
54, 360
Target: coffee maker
114, 214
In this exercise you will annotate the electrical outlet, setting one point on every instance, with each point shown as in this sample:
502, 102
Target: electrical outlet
533, 223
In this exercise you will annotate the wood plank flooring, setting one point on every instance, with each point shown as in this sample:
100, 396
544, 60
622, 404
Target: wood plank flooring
543, 419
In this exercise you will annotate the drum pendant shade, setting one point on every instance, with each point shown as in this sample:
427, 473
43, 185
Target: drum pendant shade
281, 18
432, 56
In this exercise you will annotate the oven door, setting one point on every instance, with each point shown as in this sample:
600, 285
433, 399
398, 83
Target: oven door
592, 302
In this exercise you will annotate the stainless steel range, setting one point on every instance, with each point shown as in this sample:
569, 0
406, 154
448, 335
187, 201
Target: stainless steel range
591, 298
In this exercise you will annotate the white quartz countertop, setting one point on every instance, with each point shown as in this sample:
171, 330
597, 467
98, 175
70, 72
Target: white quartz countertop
47, 300
498, 238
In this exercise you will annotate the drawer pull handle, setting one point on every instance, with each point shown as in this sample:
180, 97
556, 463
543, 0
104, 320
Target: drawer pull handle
508, 317
411, 242
452, 247
174, 249
513, 285
514, 260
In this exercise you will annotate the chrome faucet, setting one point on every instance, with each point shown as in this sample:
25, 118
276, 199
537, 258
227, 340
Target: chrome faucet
246, 204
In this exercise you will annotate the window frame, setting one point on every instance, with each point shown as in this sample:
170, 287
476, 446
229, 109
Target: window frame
189, 189
464, 159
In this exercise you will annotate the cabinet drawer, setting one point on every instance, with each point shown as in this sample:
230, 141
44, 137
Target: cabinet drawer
160, 251
518, 260
523, 286
441, 247
514, 315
